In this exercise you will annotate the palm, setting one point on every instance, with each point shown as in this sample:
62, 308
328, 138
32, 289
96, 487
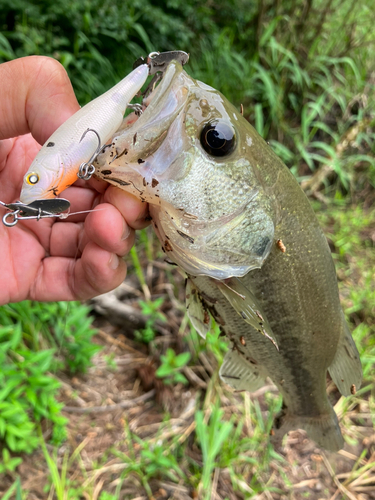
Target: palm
59, 260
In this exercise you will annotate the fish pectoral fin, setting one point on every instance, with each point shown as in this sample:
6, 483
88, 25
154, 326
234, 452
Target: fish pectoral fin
247, 306
346, 369
198, 315
239, 373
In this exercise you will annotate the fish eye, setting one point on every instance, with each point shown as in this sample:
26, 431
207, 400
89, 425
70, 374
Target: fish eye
218, 138
32, 178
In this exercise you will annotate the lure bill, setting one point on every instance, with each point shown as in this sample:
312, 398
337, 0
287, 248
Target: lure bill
39, 209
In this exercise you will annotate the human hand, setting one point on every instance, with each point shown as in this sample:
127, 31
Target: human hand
72, 259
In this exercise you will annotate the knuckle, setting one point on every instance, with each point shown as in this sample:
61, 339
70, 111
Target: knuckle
49, 71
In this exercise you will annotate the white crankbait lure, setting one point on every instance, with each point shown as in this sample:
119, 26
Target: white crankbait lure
58, 162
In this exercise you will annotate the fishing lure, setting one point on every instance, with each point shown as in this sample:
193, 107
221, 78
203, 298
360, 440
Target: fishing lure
64, 155
71, 150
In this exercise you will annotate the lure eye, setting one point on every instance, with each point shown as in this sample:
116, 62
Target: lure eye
32, 179
218, 138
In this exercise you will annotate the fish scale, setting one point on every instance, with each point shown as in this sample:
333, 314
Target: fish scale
290, 368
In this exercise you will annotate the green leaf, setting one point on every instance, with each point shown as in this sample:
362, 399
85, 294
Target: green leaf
164, 371
16, 336
182, 359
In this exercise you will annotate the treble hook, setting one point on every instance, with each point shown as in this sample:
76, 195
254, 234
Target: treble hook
87, 169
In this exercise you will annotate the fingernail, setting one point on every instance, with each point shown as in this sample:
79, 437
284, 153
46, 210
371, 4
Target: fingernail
114, 261
125, 231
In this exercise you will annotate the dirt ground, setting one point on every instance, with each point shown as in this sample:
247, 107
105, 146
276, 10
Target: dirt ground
100, 402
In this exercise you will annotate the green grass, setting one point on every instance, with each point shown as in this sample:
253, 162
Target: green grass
36, 340
301, 69
351, 230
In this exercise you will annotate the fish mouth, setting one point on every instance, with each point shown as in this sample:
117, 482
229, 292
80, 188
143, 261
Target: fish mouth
140, 137
164, 98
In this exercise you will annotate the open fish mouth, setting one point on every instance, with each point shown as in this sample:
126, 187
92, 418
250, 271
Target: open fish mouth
141, 136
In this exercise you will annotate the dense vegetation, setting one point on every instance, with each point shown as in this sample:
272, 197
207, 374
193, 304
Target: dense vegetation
301, 68
304, 71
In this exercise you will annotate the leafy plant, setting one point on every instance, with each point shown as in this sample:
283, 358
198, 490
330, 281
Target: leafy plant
216, 343
27, 394
104, 495
110, 361
64, 326
63, 487
16, 487
35, 340
150, 461
301, 69
9, 464
151, 310
172, 364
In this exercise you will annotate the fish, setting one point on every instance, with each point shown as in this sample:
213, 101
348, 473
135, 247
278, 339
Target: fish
230, 213
57, 164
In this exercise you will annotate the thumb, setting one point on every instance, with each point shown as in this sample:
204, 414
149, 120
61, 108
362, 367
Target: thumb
37, 97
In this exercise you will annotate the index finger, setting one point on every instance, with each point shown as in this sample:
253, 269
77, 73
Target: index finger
39, 97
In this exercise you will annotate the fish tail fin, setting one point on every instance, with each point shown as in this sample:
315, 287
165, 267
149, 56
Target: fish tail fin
324, 429
346, 369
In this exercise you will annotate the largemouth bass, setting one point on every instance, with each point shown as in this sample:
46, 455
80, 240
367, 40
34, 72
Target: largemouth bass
229, 212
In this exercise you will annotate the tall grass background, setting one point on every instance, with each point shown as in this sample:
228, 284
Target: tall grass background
303, 69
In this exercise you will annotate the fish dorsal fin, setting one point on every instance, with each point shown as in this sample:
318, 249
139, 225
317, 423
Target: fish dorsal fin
198, 315
346, 369
247, 306
241, 375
